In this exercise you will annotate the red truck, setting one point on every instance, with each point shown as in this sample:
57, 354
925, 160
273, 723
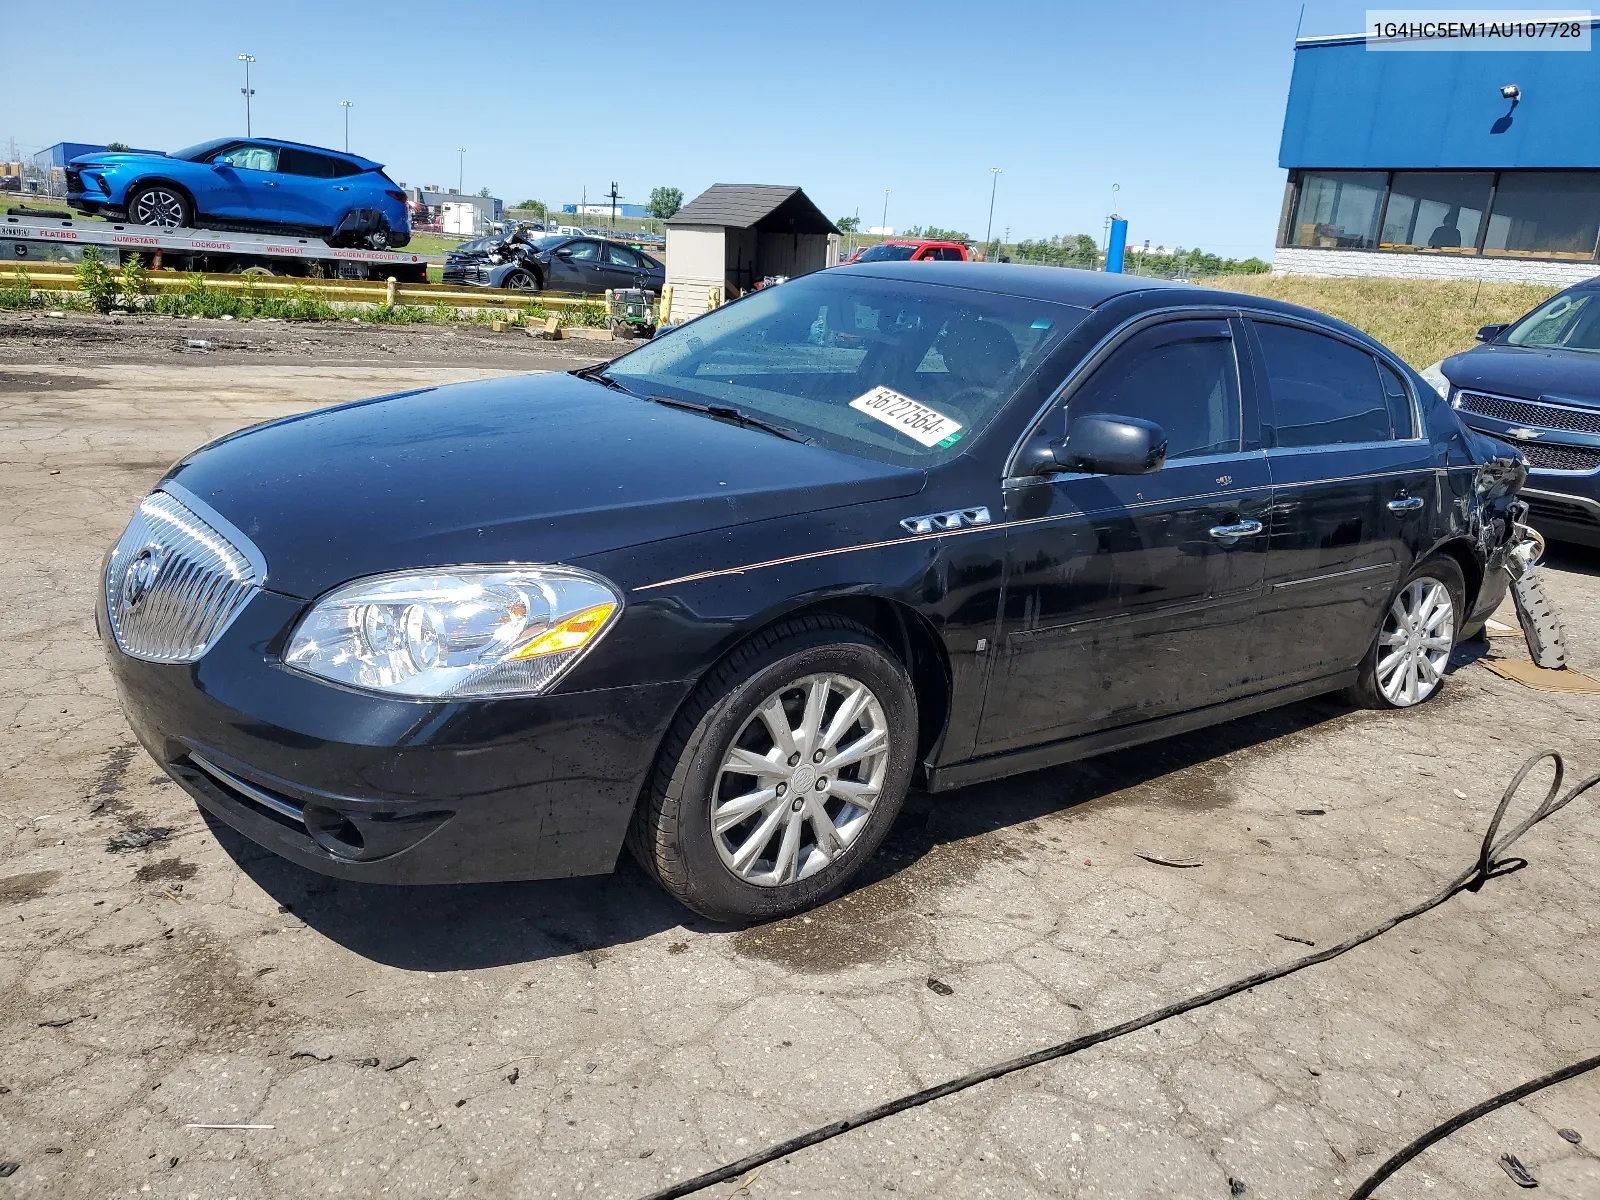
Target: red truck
911, 250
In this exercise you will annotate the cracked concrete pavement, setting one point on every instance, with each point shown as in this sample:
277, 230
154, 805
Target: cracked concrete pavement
587, 1037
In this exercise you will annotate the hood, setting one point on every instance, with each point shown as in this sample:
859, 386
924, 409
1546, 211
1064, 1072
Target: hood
528, 468
114, 158
1529, 373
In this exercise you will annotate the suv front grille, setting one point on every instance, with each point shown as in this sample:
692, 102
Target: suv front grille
1530, 412
1548, 456
174, 582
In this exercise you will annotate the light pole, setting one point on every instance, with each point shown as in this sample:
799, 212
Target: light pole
461, 167
885, 225
994, 176
248, 91
347, 106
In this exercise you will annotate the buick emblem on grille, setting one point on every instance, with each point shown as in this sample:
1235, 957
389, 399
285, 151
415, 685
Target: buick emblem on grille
139, 578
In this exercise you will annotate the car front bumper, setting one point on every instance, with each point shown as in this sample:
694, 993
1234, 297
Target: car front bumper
367, 788
1564, 507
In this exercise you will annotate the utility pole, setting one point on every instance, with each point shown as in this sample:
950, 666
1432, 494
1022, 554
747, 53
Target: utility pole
248, 91
994, 176
461, 168
613, 195
347, 106
885, 225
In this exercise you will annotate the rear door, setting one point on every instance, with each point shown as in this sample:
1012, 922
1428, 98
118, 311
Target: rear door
1130, 597
309, 191
1355, 496
622, 268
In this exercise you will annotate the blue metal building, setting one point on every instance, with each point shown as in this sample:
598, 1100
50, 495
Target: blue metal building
1450, 163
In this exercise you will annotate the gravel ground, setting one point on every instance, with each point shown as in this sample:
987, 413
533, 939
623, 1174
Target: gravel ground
587, 1037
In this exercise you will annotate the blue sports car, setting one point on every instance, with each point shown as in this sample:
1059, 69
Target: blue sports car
246, 183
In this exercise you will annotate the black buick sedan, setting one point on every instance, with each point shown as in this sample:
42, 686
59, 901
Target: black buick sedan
727, 598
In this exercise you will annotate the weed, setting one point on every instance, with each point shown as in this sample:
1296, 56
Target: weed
19, 292
587, 313
97, 281
134, 281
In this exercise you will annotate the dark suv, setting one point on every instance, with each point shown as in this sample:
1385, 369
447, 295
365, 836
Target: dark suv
1536, 383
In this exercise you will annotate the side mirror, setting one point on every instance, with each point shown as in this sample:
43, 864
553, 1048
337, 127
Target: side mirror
565, 255
661, 329
1101, 444
1489, 332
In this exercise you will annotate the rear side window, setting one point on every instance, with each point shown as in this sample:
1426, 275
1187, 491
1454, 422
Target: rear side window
1183, 376
303, 162
621, 256
1325, 392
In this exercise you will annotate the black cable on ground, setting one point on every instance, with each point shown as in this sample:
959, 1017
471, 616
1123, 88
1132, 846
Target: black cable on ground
1490, 865
1439, 1132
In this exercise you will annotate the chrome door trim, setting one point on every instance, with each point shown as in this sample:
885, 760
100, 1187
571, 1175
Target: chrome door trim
1292, 583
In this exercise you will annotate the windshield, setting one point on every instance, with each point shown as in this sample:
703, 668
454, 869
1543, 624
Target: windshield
202, 152
1570, 321
896, 371
886, 252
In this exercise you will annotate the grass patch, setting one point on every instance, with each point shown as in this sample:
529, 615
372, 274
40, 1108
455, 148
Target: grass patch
197, 299
1421, 320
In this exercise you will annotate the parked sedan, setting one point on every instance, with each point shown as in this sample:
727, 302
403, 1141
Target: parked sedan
728, 596
246, 183
1536, 382
567, 264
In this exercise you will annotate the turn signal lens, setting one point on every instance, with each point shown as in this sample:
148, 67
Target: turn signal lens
572, 634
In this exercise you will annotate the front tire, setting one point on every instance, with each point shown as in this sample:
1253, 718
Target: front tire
160, 205
783, 773
1406, 663
520, 281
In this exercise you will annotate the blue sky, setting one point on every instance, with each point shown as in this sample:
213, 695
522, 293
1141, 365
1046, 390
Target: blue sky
1179, 103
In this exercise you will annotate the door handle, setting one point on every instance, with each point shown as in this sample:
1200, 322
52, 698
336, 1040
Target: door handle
341, 189
1229, 534
268, 183
1405, 504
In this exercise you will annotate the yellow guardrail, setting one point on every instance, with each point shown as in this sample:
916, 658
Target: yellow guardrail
52, 278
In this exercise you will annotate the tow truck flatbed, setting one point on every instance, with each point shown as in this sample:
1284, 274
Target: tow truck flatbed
36, 237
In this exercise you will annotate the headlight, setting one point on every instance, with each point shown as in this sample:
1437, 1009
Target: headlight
1436, 380
455, 632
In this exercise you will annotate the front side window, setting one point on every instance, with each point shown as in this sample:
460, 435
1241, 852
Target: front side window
583, 251
1325, 392
1435, 210
872, 367
1402, 416
252, 158
1338, 210
1570, 321
1183, 376
1545, 214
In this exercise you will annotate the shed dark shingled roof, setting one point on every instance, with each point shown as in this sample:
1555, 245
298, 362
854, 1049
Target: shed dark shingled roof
769, 208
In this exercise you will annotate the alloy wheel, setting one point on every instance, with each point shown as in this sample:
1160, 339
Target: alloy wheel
1414, 645
798, 785
158, 207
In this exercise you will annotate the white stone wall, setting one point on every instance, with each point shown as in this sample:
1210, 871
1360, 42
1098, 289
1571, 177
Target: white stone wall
1295, 260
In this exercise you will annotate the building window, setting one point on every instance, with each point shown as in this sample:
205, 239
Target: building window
1545, 214
1435, 210
1338, 210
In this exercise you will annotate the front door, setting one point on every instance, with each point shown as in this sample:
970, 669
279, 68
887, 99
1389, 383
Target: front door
248, 186
1354, 498
1129, 597
576, 267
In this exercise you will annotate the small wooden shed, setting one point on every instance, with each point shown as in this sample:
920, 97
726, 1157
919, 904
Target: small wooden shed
733, 235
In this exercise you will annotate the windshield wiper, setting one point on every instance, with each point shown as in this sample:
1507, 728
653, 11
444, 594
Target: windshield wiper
596, 374
726, 412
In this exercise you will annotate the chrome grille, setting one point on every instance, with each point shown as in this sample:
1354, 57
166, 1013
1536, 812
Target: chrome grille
1528, 412
1548, 456
175, 581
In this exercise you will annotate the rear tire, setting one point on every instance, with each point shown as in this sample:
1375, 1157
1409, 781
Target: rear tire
160, 205
1406, 662
782, 774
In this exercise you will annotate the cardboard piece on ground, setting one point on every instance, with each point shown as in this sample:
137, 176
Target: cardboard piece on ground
1495, 629
1541, 679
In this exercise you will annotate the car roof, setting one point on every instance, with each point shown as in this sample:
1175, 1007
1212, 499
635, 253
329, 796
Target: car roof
1090, 289
365, 163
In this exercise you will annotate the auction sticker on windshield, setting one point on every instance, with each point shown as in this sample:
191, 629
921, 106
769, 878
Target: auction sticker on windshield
916, 421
